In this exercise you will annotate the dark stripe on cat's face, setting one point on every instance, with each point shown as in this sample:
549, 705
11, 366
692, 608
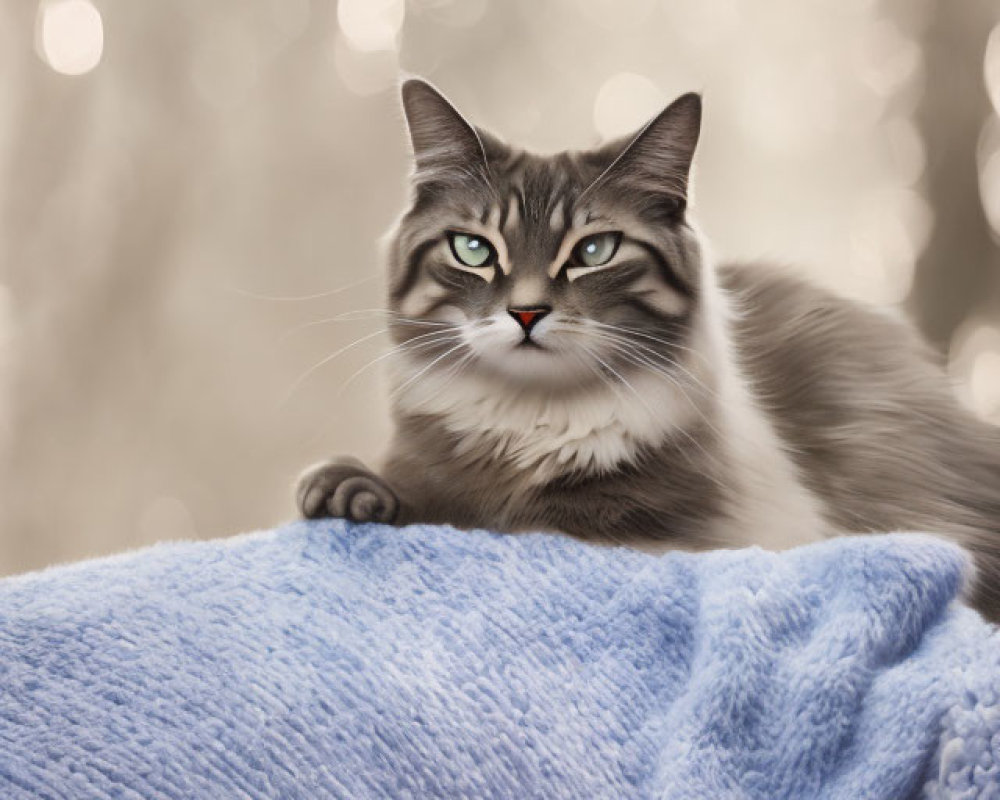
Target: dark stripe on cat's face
411, 269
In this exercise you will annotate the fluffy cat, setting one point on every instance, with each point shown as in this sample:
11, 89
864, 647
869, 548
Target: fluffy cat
569, 358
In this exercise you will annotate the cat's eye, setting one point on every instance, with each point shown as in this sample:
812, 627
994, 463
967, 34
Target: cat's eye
592, 254
597, 250
471, 250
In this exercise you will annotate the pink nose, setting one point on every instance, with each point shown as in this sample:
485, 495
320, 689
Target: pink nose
528, 317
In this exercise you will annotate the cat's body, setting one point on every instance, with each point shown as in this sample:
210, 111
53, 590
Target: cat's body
651, 398
473, 457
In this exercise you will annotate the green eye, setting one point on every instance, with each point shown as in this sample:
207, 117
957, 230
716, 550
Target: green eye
471, 250
597, 250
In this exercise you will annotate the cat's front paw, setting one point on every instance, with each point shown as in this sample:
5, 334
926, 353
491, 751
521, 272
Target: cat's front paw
344, 487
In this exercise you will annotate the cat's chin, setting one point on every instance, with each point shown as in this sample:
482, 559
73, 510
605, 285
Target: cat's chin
539, 368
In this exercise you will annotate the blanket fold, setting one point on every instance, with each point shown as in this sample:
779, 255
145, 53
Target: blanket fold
327, 659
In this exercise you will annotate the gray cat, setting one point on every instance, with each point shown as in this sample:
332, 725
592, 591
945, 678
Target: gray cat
569, 358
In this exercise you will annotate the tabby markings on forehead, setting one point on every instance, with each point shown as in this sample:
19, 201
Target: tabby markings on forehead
556, 218
513, 212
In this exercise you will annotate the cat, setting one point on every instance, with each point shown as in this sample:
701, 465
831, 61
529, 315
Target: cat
569, 358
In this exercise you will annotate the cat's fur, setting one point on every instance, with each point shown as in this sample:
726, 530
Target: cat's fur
671, 402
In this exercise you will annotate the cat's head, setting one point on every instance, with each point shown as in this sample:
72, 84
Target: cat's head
544, 273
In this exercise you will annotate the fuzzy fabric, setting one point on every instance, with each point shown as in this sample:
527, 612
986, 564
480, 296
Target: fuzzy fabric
330, 660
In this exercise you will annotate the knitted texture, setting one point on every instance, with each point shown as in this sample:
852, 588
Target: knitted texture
329, 660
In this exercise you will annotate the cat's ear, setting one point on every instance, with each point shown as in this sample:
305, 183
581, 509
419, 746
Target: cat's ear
442, 139
657, 160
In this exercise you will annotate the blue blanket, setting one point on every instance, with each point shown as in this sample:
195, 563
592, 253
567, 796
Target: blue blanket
329, 660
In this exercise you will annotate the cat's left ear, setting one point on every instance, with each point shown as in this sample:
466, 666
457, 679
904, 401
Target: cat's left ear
657, 161
443, 141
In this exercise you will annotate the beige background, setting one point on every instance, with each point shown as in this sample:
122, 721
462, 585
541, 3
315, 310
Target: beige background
174, 175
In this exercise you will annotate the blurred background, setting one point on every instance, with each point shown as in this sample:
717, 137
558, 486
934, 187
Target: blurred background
192, 195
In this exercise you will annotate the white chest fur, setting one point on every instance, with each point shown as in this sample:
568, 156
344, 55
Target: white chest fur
547, 434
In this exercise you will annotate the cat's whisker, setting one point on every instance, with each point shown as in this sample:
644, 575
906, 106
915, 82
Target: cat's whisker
589, 363
645, 363
631, 332
616, 341
458, 368
624, 349
400, 389
683, 432
667, 360
634, 391
398, 348
464, 361
365, 315
413, 344
305, 375
653, 358
347, 316
301, 298
679, 429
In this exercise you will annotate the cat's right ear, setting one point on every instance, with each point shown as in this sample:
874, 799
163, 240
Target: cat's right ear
442, 139
656, 162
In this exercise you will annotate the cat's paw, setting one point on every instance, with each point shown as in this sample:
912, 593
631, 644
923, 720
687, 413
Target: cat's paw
344, 487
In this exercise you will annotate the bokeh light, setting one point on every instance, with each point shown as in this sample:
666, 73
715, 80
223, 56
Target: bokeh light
624, 103
974, 362
906, 149
887, 58
989, 188
984, 384
369, 25
69, 35
365, 72
991, 68
891, 229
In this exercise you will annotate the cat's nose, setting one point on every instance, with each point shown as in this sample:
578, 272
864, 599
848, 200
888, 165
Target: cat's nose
528, 316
